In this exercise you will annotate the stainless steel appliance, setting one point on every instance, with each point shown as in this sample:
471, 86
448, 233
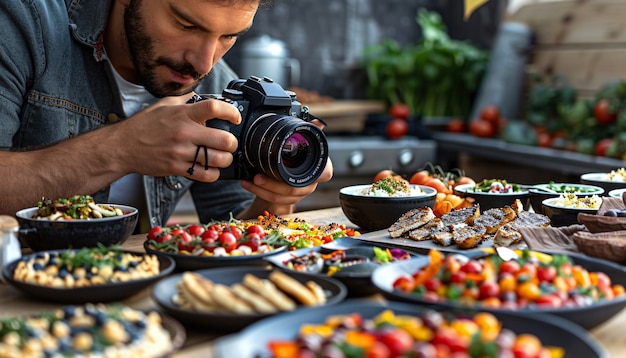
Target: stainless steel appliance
264, 56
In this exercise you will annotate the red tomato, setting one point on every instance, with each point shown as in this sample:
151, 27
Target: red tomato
549, 301
489, 289
235, 231
544, 140
437, 184
482, 128
377, 350
604, 281
397, 341
385, 173
458, 277
546, 273
602, 146
403, 283
253, 241
256, 229
509, 267
432, 284
472, 266
420, 177
195, 230
210, 235
185, 238
397, 128
399, 110
228, 241
155, 233
602, 112
491, 114
455, 125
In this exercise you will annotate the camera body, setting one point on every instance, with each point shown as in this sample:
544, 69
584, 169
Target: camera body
275, 135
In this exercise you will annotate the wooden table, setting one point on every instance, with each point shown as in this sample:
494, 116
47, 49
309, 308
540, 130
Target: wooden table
198, 344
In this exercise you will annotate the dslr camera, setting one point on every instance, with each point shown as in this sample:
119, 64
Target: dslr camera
275, 135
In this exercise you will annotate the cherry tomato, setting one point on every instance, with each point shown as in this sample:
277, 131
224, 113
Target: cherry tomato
549, 301
228, 241
437, 184
235, 231
544, 140
256, 229
398, 341
184, 240
482, 128
253, 240
420, 177
546, 273
601, 146
397, 128
195, 230
602, 112
432, 284
509, 267
465, 180
385, 173
155, 233
491, 114
472, 266
489, 289
403, 283
399, 110
455, 125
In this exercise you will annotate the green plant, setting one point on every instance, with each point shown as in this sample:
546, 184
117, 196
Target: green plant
436, 77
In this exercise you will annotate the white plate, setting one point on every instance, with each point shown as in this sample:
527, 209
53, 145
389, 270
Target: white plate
617, 193
356, 190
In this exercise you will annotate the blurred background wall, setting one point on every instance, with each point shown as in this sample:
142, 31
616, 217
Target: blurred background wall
328, 36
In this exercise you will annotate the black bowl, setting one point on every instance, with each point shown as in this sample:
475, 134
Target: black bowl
97, 293
195, 262
226, 322
253, 341
563, 216
601, 180
492, 200
537, 195
41, 234
376, 212
587, 317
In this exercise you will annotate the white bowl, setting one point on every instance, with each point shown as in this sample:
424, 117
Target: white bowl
617, 193
488, 200
600, 179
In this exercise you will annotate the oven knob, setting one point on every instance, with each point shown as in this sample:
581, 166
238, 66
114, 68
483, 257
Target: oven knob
356, 159
405, 157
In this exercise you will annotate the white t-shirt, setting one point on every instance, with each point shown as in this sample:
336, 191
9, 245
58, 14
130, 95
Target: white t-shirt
129, 190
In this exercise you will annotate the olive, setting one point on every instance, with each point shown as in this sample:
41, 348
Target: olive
621, 213
611, 213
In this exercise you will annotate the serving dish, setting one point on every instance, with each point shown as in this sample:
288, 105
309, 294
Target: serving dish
163, 294
94, 293
563, 216
253, 341
377, 212
601, 180
617, 193
488, 200
587, 317
540, 192
185, 262
41, 234
354, 270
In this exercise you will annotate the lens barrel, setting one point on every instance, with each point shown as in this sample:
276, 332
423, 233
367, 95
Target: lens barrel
286, 148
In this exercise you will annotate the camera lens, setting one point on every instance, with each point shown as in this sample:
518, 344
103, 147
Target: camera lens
286, 148
295, 150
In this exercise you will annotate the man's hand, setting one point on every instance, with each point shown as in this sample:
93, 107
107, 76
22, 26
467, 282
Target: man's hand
164, 138
278, 197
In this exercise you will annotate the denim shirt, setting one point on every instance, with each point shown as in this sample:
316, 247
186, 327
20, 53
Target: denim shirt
55, 85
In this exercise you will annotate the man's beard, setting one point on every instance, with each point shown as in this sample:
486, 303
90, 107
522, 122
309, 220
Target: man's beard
141, 50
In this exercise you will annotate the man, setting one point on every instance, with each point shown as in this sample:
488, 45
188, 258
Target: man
94, 93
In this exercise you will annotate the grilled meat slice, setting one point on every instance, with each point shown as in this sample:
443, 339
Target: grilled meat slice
492, 219
507, 235
443, 237
468, 237
425, 231
530, 219
410, 220
461, 216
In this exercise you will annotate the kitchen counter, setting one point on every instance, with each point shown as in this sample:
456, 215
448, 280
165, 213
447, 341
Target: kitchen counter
198, 344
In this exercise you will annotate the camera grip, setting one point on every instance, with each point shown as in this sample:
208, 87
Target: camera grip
219, 124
